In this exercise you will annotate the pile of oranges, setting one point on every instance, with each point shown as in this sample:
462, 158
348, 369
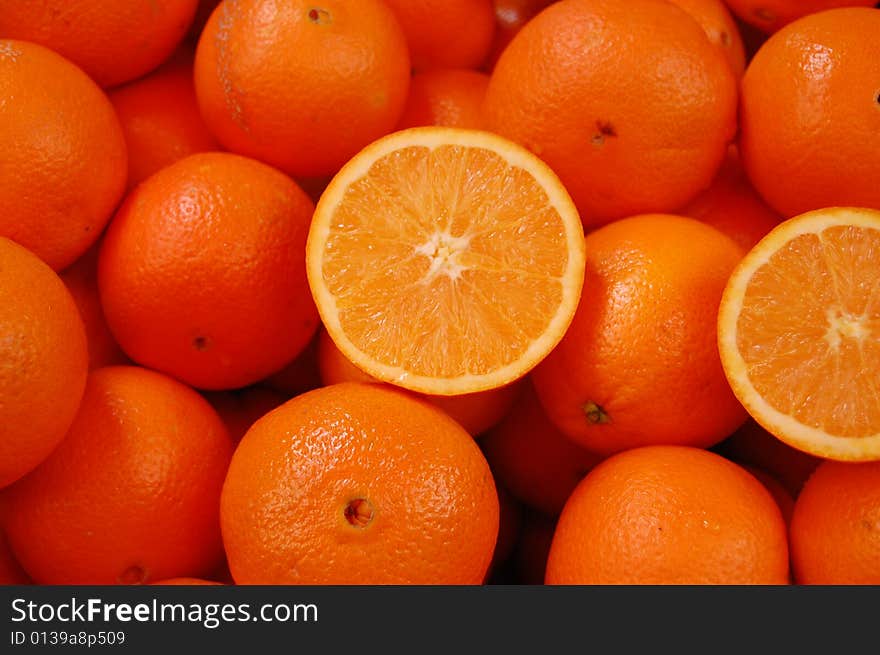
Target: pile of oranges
440, 292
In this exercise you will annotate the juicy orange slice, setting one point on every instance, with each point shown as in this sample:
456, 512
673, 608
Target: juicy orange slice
799, 333
446, 261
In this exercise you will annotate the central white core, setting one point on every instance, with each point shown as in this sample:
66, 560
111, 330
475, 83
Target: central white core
841, 324
444, 252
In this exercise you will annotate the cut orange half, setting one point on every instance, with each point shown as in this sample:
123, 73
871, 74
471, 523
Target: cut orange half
799, 333
445, 261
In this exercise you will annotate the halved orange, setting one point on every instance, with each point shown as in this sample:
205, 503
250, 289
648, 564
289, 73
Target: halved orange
799, 333
445, 261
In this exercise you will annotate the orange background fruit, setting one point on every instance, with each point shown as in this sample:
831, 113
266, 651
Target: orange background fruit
131, 495
62, 154
510, 16
715, 19
639, 364
309, 92
400, 494
450, 97
770, 15
669, 515
43, 361
202, 271
241, 408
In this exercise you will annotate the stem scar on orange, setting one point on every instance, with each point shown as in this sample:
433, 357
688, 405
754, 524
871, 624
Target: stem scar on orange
445, 261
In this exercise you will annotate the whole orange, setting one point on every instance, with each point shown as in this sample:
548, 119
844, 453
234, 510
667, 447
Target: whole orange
835, 530
669, 515
536, 462
629, 103
446, 33
43, 361
62, 153
770, 15
639, 364
202, 271
131, 494
160, 118
112, 41
720, 27
450, 97
306, 90
811, 110
358, 484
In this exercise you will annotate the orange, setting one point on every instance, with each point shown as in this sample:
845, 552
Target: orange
810, 113
799, 333
160, 119
446, 33
609, 93
639, 364
753, 445
81, 280
834, 530
770, 15
358, 484
10, 570
445, 261
510, 16
780, 494
731, 205
300, 375
669, 515
131, 494
533, 548
240, 409
475, 412
186, 582
43, 361
307, 90
535, 461
62, 153
448, 97
715, 19
202, 273
112, 41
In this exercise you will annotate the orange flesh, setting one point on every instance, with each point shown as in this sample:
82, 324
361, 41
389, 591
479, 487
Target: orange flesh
809, 330
445, 261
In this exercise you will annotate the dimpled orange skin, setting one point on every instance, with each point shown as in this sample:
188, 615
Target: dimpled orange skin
770, 15
835, 538
420, 497
810, 110
131, 494
43, 361
669, 515
715, 19
62, 154
629, 103
446, 33
447, 97
113, 41
307, 90
202, 271
475, 412
160, 118
639, 364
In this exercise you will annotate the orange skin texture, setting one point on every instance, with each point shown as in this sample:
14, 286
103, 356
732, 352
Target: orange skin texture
510, 16
834, 535
475, 412
642, 345
190, 582
715, 19
81, 280
250, 77
112, 41
732, 205
434, 517
753, 445
533, 548
43, 361
160, 119
629, 103
446, 33
211, 232
780, 494
770, 15
447, 97
131, 494
810, 118
63, 161
533, 459
669, 515
241, 408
